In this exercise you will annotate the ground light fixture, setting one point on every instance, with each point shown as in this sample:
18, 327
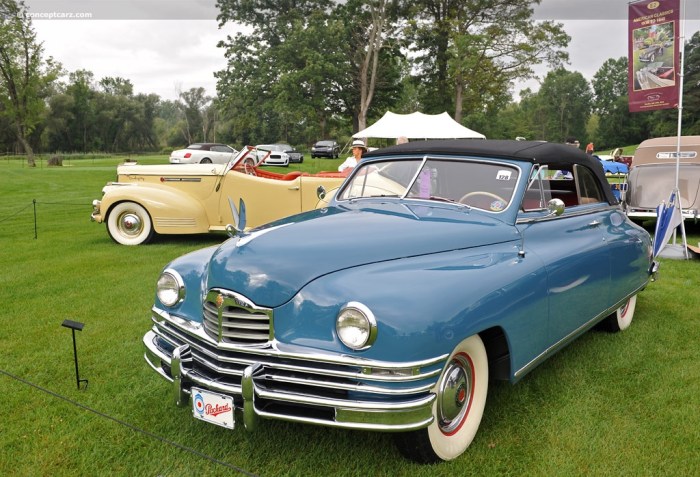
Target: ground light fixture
75, 325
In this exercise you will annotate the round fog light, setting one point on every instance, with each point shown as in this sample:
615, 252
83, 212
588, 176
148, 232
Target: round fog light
356, 326
170, 288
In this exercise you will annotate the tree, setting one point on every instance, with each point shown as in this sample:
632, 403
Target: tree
616, 125
308, 62
665, 122
370, 27
197, 118
284, 72
24, 75
610, 83
469, 52
691, 87
566, 101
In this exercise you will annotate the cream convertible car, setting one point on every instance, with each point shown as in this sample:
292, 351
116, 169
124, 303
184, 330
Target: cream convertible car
200, 198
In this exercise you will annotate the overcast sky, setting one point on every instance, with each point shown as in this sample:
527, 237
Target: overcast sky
167, 46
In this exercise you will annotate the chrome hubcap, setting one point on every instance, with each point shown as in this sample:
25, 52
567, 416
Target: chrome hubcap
455, 394
130, 224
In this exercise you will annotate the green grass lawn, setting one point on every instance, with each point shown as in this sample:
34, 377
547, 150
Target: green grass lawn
624, 404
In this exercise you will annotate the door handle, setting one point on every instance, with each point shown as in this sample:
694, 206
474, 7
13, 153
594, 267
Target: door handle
294, 188
595, 223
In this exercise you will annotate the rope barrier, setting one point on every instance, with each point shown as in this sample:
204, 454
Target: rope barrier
127, 425
34, 204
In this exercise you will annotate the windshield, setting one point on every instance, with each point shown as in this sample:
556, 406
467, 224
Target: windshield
243, 160
481, 185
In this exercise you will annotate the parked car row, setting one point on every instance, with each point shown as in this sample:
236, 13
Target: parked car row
280, 154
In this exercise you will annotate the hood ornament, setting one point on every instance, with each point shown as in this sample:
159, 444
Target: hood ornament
238, 215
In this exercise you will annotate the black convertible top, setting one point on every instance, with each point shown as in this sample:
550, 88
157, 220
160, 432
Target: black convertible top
535, 152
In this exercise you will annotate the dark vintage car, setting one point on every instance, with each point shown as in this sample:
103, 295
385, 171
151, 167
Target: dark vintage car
651, 52
329, 149
437, 266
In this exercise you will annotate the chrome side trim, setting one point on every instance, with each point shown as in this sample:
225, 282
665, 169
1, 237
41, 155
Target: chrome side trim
567, 213
572, 336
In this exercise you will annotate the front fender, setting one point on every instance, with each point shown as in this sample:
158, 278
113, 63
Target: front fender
425, 306
172, 212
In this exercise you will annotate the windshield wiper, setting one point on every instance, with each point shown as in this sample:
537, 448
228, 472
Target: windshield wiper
451, 201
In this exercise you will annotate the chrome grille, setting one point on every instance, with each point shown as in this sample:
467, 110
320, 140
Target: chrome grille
232, 318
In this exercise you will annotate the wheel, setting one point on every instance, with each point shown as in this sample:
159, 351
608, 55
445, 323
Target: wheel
457, 410
129, 224
206, 160
301, 160
621, 319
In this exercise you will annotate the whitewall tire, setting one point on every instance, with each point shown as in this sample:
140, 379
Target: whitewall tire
129, 224
458, 408
621, 319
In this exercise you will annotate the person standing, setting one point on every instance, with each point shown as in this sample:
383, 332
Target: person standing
358, 149
589, 148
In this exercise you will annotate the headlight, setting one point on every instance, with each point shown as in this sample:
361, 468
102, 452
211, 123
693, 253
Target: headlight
356, 326
170, 288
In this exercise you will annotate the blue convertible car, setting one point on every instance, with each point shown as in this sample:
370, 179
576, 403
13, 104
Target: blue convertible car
437, 266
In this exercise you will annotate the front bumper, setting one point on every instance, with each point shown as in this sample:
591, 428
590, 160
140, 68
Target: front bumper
96, 215
289, 384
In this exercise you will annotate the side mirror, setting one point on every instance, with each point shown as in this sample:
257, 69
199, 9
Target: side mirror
555, 207
321, 192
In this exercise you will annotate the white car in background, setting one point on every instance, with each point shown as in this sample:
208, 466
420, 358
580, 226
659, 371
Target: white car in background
277, 156
203, 153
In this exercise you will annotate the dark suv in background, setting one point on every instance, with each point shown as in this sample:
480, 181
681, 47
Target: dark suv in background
329, 149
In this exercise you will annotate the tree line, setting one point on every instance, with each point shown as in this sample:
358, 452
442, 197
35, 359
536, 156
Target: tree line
305, 70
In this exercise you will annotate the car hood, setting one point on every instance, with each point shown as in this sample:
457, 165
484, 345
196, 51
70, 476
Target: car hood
271, 264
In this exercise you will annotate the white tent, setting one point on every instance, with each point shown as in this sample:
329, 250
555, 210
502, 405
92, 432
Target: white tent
418, 126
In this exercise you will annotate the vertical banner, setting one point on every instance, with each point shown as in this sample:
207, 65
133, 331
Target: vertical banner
654, 55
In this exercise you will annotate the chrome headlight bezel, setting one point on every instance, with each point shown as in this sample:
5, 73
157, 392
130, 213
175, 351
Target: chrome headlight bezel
356, 326
170, 288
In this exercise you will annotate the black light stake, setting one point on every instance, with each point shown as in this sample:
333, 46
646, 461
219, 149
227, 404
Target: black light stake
75, 325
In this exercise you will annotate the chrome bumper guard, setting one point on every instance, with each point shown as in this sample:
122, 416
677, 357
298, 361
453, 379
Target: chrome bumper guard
95, 216
265, 382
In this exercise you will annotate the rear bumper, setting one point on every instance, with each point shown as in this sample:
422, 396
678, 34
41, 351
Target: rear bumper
643, 213
267, 383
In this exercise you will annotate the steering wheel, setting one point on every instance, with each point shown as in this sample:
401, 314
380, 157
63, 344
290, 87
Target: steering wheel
249, 166
481, 192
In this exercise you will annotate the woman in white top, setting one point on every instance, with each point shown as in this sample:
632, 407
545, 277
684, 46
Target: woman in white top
358, 148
